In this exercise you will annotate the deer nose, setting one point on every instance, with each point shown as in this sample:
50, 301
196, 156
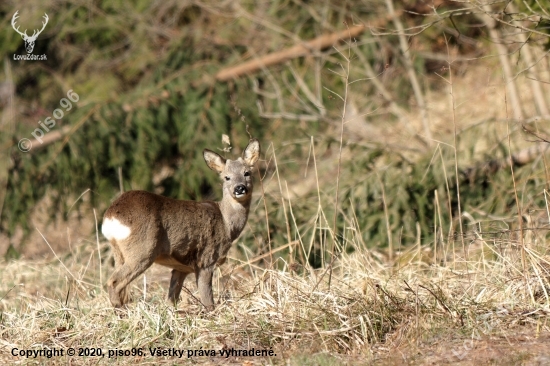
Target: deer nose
240, 190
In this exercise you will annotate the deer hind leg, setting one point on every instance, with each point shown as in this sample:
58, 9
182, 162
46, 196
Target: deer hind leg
122, 276
176, 283
139, 252
137, 258
204, 284
119, 262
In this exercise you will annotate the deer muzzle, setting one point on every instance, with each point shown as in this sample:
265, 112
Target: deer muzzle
240, 190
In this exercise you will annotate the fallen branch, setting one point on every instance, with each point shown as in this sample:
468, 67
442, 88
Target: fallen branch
55, 135
299, 50
303, 49
52, 137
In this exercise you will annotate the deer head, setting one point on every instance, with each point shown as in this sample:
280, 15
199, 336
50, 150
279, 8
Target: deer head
29, 41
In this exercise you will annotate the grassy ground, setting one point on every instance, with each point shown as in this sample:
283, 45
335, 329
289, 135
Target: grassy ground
483, 310
481, 300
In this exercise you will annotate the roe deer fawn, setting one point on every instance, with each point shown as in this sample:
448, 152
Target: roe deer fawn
188, 236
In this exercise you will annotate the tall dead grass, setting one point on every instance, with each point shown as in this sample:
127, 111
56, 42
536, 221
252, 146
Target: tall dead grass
371, 306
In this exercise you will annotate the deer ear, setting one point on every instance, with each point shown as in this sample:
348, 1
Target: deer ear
214, 161
252, 152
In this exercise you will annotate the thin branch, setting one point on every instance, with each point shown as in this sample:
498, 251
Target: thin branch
411, 71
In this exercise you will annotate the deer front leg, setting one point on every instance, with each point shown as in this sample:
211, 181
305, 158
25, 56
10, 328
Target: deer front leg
176, 282
204, 284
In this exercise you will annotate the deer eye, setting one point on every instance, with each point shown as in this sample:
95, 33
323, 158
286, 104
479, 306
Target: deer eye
247, 174
227, 178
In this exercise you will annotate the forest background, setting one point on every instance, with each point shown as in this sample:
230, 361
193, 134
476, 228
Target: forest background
408, 134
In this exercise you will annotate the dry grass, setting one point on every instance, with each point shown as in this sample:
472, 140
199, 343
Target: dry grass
372, 309
430, 304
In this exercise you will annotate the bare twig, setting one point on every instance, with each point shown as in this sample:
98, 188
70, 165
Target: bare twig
270, 254
342, 123
530, 63
502, 51
410, 71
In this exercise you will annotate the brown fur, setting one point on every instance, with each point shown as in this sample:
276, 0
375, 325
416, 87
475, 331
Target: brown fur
187, 236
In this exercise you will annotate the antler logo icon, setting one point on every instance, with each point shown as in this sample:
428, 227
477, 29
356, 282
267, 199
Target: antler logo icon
29, 41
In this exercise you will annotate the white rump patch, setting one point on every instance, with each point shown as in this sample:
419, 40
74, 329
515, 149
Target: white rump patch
113, 229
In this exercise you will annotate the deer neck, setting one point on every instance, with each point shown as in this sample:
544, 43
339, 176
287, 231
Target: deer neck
235, 215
